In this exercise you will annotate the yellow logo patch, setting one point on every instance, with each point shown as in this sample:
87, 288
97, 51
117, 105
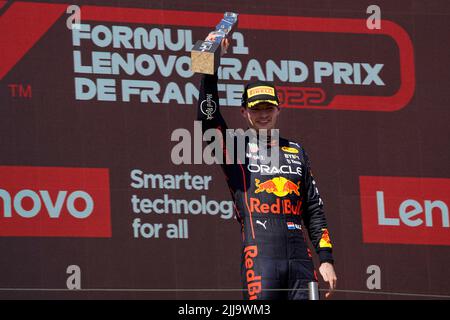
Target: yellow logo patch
325, 241
260, 90
289, 149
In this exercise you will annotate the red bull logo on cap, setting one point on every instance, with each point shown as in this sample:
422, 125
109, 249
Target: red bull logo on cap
279, 186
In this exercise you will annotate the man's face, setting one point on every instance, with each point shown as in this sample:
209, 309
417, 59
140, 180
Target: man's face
262, 116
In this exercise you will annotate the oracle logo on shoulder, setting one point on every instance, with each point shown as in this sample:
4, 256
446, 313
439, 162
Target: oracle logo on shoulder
405, 210
54, 202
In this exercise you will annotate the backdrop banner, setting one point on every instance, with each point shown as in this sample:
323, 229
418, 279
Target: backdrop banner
92, 91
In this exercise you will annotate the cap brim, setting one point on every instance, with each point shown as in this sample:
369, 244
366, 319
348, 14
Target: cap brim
255, 103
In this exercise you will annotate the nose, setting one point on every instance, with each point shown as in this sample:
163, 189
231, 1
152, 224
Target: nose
266, 113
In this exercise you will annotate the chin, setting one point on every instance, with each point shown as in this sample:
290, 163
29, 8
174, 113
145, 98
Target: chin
267, 126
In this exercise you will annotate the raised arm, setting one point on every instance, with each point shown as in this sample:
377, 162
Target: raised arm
209, 114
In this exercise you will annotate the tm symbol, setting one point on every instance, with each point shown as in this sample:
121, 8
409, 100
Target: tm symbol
20, 91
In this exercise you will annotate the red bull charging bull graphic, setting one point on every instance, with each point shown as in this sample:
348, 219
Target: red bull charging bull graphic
279, 186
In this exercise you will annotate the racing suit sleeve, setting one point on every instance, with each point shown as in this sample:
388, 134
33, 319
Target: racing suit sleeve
314, 216
209, 114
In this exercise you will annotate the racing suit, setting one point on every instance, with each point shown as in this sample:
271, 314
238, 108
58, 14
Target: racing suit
270, 204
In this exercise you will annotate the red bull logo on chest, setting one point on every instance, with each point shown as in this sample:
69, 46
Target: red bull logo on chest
279, 186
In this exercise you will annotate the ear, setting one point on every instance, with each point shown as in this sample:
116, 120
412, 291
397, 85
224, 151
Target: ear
244, 112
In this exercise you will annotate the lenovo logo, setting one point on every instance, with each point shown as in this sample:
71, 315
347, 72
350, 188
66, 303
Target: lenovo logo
405, 210
43, 200
410, 212
54, 202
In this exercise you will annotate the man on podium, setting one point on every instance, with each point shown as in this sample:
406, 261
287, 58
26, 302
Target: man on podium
273, 203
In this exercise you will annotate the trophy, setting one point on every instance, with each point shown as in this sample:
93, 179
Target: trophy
205, 55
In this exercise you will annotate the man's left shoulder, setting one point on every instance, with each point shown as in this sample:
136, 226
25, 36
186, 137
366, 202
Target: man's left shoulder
291, 145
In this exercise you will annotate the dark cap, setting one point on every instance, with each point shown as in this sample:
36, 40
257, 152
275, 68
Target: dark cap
259, 92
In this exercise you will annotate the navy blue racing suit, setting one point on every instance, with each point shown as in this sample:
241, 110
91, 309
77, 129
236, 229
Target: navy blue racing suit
273, 204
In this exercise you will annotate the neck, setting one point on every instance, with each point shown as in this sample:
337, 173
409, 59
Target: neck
267, 137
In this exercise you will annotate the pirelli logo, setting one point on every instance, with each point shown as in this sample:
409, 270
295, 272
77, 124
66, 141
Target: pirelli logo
260, 90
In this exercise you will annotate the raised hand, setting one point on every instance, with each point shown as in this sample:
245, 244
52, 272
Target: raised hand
223, 45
